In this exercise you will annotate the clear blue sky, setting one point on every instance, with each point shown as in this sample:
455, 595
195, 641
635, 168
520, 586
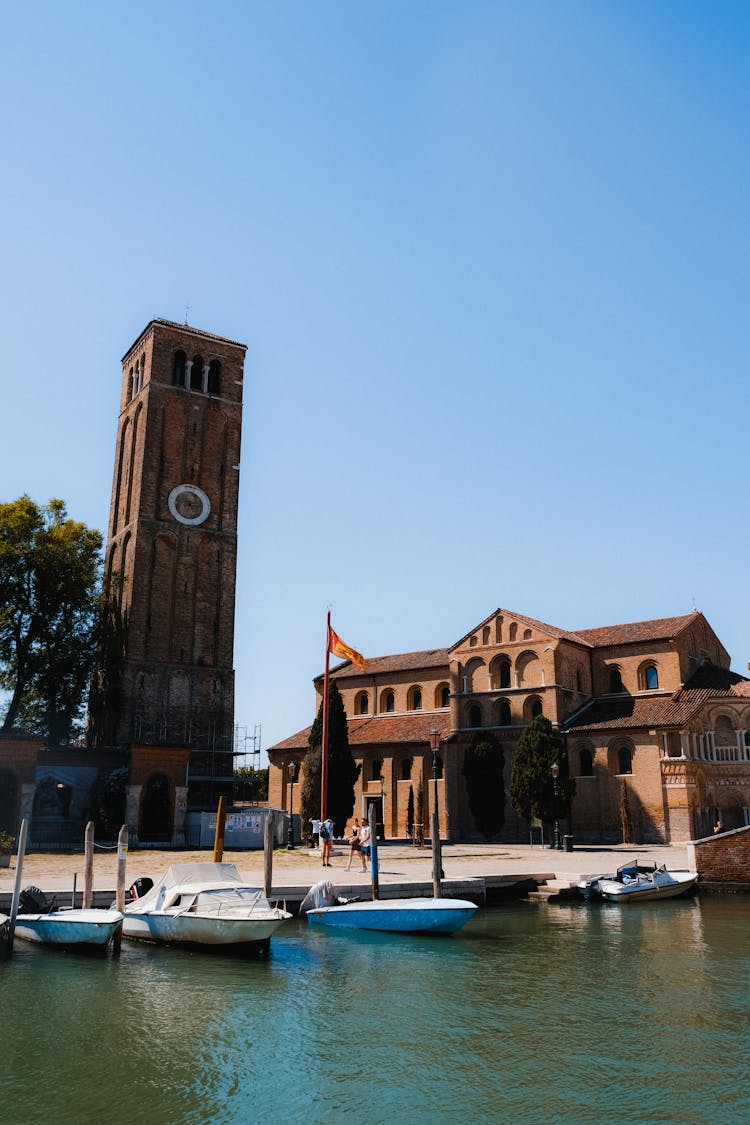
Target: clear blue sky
491, 263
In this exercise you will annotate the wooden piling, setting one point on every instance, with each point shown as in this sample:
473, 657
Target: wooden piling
373, 841
268, 835
122, 855
17, 885
221, 819
88, 866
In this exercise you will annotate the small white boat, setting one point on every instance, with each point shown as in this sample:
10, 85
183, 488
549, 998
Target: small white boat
638, 882
37, 920
399, 915
205, 904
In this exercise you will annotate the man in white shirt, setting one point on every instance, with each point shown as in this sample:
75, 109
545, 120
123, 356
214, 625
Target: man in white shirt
315, 825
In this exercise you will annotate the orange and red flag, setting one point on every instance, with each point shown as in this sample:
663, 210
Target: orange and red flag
340, 648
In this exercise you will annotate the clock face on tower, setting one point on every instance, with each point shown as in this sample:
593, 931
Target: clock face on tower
189, 504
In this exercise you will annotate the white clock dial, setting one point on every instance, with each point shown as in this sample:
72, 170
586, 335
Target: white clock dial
189, 504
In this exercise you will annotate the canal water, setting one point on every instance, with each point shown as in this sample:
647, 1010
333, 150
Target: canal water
534, 1013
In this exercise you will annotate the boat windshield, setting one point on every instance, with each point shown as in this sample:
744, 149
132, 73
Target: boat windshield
224, 898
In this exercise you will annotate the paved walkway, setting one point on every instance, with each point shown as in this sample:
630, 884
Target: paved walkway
399, 863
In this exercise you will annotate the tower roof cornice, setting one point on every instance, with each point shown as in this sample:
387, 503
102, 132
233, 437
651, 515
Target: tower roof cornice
185, 329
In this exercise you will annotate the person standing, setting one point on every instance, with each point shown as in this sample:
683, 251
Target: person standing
364, 843
326, 840
315, 826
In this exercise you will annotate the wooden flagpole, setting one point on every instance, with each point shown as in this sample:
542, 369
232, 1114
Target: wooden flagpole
324, 736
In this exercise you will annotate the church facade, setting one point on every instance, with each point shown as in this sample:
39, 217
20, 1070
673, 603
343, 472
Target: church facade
650, 712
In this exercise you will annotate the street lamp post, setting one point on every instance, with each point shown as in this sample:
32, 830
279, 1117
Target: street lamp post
290, 833
437, 859
556, 839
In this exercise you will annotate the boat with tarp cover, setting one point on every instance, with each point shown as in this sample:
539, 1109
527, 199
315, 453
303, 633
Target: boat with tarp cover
202, 904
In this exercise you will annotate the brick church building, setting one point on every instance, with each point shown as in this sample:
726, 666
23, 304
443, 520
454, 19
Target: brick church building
162, 704
649, 708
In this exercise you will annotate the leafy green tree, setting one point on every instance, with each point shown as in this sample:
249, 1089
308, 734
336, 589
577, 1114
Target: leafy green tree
532, 790
342, 769
484, 764
419, 826
50, 568
250, 784
410, 813
108, 801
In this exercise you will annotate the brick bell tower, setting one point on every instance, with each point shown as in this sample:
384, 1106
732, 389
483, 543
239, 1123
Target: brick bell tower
170, 563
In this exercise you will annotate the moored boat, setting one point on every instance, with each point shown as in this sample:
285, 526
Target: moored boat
37, 920
203, 904
638, 882
401, 915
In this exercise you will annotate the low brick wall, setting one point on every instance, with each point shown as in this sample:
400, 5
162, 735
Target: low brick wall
724, 858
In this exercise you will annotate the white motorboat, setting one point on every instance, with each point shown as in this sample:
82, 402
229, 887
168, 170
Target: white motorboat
204, 904
638, 882
401, 915
38, 921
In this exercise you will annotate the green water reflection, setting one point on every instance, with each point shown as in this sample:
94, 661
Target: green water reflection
533, 1014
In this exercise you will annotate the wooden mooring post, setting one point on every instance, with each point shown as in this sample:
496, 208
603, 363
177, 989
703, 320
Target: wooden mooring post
221, 819
17, 885
122, 855
372, 821
88, 867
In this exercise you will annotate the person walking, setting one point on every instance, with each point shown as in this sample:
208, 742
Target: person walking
353, 841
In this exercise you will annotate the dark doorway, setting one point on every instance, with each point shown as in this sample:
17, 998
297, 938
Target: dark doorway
8, 796
377, 804
156, 825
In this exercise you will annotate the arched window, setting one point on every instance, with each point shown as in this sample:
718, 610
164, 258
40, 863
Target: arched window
405, 769
214, 377
486, 635
585, 763
513, 630
439, 766
415, 699
651, 678
527, 634
615, 681
178, 372
503, 713
473, 642
475, 715
502, 673
442, 695
624, 760
389, 701
579, 680
376, 771
196, 374
535, 708
362, 704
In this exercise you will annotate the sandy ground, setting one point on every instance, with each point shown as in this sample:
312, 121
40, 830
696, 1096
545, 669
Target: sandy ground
399, 863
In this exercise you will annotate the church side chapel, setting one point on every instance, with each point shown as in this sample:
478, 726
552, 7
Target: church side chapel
650, 713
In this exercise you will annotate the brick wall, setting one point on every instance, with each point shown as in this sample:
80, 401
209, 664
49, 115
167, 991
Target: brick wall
724, 858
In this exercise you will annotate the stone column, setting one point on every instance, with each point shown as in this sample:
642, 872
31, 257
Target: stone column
133, 813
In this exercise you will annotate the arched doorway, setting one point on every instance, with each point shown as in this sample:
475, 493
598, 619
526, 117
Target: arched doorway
156, 820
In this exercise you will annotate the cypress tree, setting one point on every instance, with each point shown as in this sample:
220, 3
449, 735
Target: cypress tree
532, 790
342, 769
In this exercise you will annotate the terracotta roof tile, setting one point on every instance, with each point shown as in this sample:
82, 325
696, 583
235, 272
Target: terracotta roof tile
398, 662
660, 629
621, 712
374, 730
